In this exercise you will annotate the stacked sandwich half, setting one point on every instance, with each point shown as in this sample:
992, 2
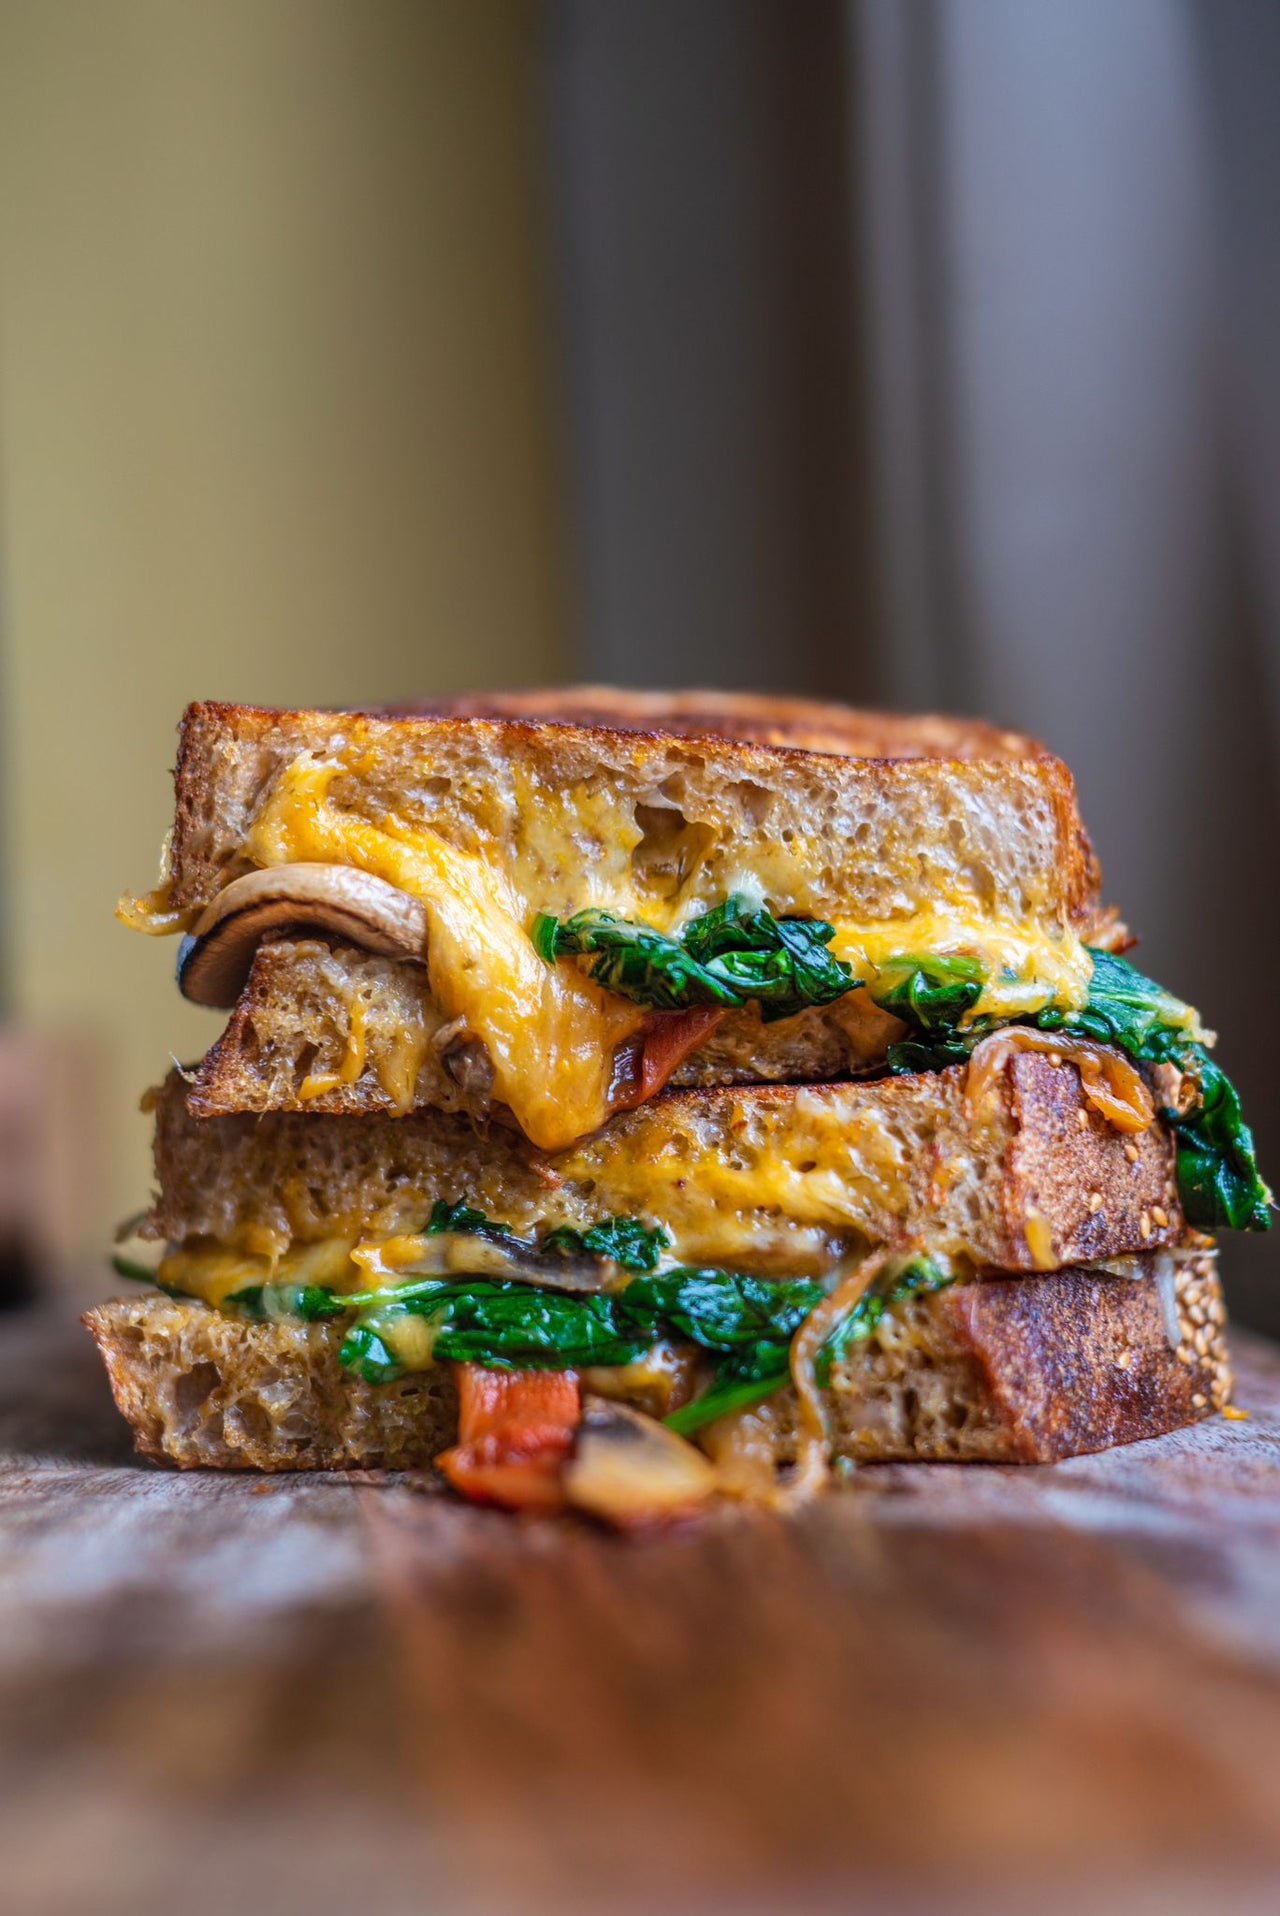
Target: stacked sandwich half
626, 1099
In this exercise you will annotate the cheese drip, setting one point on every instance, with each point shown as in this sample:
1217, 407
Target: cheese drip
549, 1031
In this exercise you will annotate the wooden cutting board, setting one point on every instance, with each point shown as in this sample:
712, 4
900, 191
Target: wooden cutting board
943, 1688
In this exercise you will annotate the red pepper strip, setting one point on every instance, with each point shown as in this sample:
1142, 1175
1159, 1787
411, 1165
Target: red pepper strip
515, 1431
666, 1039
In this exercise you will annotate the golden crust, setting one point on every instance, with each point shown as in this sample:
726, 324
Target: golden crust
814, 725
203, 1388
1084, 1363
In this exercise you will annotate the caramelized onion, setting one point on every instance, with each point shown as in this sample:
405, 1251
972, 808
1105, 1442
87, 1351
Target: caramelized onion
1113, 1086
805, 1346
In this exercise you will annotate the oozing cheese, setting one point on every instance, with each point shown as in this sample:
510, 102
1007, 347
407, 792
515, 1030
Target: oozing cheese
549, 1031
214, 1272
317, 1083
811, 1172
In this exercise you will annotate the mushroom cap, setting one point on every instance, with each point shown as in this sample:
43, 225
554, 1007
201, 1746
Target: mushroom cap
214, 960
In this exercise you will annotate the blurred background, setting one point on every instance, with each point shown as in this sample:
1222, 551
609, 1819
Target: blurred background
919, 352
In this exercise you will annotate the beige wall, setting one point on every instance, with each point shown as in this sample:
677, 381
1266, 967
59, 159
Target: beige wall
275, 427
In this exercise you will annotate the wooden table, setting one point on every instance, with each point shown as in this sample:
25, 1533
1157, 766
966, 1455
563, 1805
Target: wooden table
942, 1689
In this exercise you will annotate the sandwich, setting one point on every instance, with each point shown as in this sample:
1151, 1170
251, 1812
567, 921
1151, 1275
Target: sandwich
629, 1099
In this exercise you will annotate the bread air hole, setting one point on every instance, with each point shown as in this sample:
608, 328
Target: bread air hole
670, 850
193, 1388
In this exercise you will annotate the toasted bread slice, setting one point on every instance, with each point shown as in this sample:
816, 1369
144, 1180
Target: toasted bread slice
323, 1026
571, 811
1009, 1371
771, 1179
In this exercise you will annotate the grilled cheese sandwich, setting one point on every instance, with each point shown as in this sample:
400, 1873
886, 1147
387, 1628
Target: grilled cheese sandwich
872, 955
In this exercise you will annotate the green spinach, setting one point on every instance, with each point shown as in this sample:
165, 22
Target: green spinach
461, 1218
132, 1268
628, 1242
753, 1371
735, 954
625, 1240
895, 1285
504, 1323
932, 993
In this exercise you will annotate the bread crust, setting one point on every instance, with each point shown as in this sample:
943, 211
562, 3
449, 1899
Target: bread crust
1026, 1371
1044, 1346
814, 725
200, 1387
918, 820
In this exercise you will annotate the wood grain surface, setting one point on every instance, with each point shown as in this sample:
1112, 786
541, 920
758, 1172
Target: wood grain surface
943, 1688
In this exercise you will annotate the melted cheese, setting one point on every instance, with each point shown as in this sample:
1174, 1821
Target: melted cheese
153, 912
1027, 967
214, 1272
808, 1178
549, 1031
397, 1068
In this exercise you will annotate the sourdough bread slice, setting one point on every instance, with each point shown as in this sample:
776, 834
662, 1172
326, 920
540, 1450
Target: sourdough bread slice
323, 1026
1008, 1371
573, 812
773, 1179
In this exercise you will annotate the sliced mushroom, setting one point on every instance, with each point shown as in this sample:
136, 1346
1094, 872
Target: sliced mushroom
214, 960
631, 1470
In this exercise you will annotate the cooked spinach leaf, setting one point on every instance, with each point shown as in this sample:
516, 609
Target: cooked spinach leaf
507, 1324
462, 1218
311, 1302
625, 1240
132, 1268
720, 1310
726, 1394
364, 1352
1124, 1009
754, 1370
932, 992
735, 954
1217, 1168
520, 1327
628, 1242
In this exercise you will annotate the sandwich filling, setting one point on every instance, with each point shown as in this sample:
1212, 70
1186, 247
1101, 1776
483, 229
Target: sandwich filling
692, 1344
571, 1019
